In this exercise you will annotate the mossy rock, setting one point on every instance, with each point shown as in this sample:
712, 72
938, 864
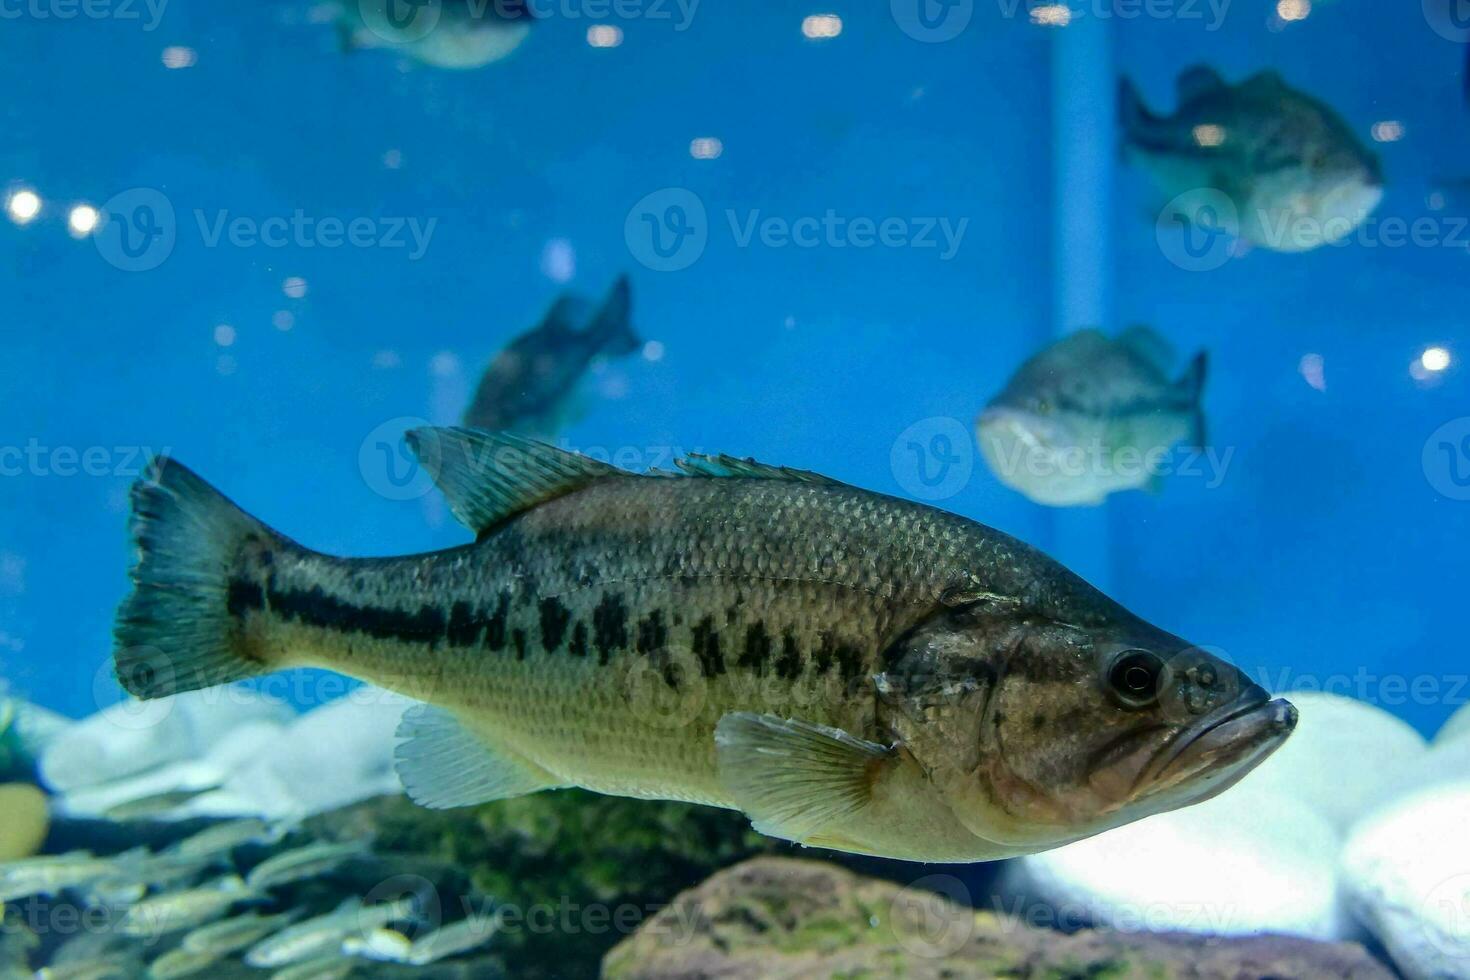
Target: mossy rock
577, 872
775, 918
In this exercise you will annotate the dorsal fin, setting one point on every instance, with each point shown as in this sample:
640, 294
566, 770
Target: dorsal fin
567, 314
1198, 81
490, 476
729, 467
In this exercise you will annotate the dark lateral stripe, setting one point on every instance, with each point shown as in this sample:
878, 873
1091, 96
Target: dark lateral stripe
826, 652
313, 607
243, 597
706, 643
555, 618
464, 625
788, 665
757, 649
495, 628
653, 635
609, 626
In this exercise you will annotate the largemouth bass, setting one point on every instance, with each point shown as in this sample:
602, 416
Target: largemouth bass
851, 670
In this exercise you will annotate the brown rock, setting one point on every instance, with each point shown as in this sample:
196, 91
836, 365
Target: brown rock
774, 918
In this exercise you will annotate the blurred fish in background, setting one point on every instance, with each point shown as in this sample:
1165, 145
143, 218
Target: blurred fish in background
456, 34
531, 387
1079, 420
1292, 168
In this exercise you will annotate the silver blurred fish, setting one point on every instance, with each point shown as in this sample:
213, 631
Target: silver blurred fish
1297, 175
237, 932
331, 966
180, 962
458, 34
304, 862
453, 939
51, 874
172, 911
117, 966
1081, 419
531, 387
324, 934
130, 881
90, 945
385, 945
221, 838
154, 804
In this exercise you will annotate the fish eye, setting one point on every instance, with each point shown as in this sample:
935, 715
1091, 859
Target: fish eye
1134, 678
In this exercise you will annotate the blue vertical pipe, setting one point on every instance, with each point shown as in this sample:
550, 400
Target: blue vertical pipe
1084, 155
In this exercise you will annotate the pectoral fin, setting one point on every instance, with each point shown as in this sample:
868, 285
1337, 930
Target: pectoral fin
792, 778
442, 764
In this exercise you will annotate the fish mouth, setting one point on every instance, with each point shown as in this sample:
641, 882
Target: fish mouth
1217, 751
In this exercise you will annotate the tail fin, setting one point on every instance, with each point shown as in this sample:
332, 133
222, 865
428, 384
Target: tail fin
1192, 386
613, 322
175, 632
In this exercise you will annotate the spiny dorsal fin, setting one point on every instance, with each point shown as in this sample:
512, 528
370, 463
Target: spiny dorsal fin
729, 467
490, 476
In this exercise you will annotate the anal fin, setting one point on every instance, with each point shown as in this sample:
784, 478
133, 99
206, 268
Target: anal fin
795, 779
443, 764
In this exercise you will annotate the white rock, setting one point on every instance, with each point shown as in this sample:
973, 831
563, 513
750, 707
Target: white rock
1345, 757
334, 755
1457, 726
1242, 863
133, 737
1406, 872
